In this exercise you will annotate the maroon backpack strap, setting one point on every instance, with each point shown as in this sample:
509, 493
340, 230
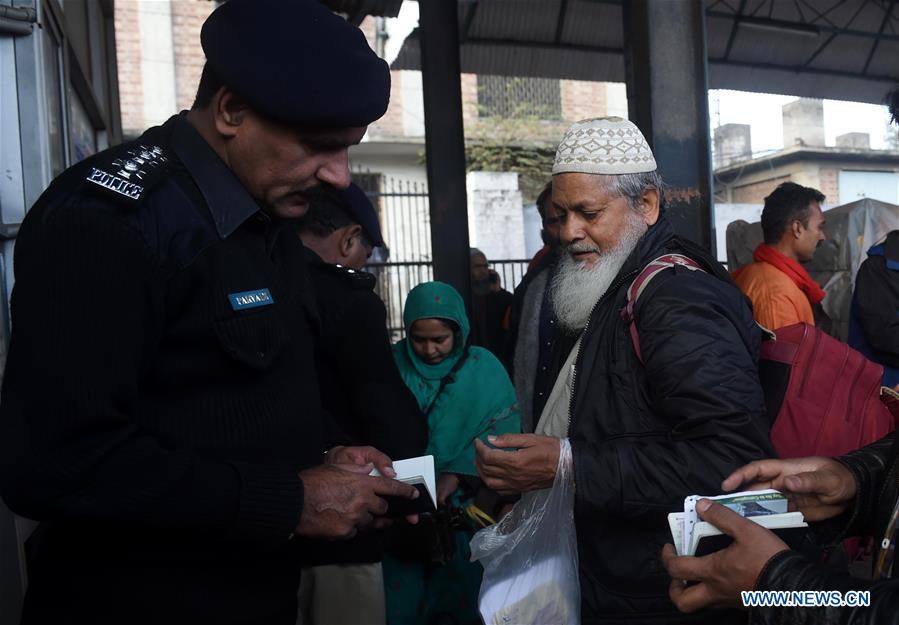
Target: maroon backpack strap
642, 281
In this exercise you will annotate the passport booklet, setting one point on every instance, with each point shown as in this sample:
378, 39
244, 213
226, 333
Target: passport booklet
417, 472
693, 536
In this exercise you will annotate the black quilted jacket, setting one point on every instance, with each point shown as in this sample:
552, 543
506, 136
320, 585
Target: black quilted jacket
877, 474
646, 435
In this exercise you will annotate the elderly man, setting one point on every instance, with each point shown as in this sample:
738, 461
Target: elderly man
160, 409
646, 430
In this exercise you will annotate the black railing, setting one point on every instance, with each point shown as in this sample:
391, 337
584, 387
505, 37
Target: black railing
395, 280
405, 222
510, 272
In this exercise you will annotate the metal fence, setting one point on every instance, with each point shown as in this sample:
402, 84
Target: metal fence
406, 223
405, 218
510, 272
395, 280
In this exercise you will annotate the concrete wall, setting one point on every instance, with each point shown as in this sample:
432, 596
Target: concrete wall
733, 142
470, 114
187, 19
803, 122
755, 192
582, 99
495, 217
860, 140
750, 188
131, 88
159, 58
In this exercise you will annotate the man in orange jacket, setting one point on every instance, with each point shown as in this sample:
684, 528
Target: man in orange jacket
781, 290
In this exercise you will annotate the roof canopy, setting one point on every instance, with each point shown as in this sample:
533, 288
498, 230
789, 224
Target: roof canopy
356, 10
835, 49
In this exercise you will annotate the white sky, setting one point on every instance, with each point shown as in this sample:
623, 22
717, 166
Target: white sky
399, 27
761, 111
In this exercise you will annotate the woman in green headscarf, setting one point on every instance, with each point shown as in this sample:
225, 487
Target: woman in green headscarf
466, 394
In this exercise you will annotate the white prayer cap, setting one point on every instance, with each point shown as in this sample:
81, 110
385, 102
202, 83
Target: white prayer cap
603, 145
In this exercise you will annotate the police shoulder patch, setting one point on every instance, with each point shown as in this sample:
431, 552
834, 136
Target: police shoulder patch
127, 174
358, 279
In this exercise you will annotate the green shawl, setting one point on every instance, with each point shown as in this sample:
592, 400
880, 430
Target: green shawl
480, 399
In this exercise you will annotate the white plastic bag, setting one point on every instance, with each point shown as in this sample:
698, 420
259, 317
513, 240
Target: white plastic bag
530, 557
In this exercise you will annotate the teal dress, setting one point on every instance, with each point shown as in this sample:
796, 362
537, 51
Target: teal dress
479, 401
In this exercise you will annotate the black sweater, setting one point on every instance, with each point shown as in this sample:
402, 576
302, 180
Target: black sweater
876, 472
152, 421
361, 387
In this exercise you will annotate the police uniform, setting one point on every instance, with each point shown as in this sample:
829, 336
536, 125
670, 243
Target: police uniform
160, 394
360, 385
362, 390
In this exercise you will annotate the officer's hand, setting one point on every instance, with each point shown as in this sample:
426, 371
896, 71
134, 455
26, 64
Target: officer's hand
723, 574
362, 456
821, 488
338, 500
532, 467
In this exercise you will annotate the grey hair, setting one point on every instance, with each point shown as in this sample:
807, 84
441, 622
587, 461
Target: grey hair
631, 186
473, 251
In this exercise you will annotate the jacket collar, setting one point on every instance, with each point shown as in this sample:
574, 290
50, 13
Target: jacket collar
312, 257
227, 198
651, 245
889, 249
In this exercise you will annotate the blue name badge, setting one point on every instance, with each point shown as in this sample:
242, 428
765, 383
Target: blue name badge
251, 299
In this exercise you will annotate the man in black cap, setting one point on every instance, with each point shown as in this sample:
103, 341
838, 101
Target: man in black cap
361, 388
160, 411
341, 228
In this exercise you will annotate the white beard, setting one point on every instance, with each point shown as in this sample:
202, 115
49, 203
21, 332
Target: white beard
576, 287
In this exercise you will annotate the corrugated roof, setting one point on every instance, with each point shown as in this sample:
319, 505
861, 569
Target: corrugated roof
836, 49
356, 10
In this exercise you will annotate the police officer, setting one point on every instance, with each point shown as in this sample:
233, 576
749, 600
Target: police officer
361, 388
160, 410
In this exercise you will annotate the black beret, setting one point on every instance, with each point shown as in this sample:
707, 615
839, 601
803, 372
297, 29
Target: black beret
296, 62
363, 212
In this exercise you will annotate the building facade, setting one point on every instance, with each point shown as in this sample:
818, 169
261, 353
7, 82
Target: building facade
59, 103
160, 61
845, 172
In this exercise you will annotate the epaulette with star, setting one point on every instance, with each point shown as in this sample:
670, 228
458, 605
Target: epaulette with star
127, 175
359, 280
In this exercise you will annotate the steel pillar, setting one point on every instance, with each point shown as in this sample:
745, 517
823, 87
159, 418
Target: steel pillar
667, 93
445, 143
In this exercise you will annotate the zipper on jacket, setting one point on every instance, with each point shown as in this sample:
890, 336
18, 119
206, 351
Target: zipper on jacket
612, 289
